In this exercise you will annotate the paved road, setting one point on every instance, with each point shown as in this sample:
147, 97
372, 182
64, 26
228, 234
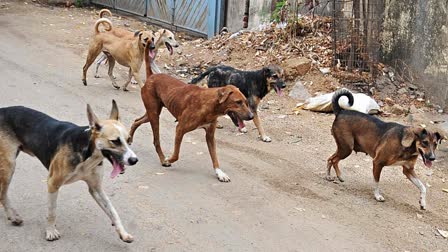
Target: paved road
182, 208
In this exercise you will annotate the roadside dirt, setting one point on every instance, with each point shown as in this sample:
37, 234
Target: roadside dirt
288, 173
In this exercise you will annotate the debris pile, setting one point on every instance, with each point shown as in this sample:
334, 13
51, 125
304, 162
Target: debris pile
305, 50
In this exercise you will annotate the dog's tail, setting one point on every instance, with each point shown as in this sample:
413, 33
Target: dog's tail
202, 75
104, 11
106, 22
335, 100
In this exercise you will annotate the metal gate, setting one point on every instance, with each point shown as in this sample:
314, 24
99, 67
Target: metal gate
137, 7
191, 14
201, 17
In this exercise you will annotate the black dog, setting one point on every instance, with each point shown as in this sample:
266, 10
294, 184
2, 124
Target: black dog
253, 84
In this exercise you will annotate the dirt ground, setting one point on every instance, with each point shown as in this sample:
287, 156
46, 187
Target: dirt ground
278, 198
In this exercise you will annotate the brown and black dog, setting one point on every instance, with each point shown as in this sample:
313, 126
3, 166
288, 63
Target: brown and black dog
387, 143
192, 106
69, 152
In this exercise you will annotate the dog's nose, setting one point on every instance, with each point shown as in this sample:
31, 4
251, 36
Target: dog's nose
283, 85
132, 160
432, 157
176, 46
251, 116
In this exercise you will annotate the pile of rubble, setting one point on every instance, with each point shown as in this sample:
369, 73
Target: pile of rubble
304, 50
309, 39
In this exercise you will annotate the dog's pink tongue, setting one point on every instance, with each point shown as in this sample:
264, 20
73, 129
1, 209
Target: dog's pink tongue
428, 163
171, 51
279, 91
117, 168
152, 54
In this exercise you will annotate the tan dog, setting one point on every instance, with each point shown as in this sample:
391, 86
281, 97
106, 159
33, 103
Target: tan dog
387, 143
192, 106
127, 52
162, 37
70, 153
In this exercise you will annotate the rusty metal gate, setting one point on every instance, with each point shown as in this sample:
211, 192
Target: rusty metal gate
201, 17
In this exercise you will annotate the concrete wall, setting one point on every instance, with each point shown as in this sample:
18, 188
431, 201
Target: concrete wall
259, 12
416, 31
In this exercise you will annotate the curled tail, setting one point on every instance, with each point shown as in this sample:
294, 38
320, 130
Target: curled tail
106, 22
202, 76
104, 11
335, 100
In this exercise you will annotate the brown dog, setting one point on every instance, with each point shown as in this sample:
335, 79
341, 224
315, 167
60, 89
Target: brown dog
127, 52
387, 143
192, 106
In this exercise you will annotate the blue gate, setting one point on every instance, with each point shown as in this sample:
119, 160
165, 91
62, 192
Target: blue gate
200, 17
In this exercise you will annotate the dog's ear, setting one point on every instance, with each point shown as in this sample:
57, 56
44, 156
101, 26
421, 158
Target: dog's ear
411, 134
439, 137
114, 115
266, 71
94, 123
223, 94
137, 33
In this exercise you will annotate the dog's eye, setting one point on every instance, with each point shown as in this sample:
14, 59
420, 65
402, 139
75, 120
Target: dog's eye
239, 102
425, 143
170, 37
152, 39
116, 142
145, 39
274, 76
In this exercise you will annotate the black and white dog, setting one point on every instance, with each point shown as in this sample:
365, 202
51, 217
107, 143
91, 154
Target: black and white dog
253, 84
69, 152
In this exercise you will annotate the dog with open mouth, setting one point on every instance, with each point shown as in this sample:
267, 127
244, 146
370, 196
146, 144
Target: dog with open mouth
192, 106
388, 143
69, 152
162, 37
127, 52
253, 84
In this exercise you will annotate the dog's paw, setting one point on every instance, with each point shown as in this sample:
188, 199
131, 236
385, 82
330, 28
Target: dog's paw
134, 82
126, 237
266, 139
422, 205
329, 178
52, 234
222, 176
115, 86
84, 82
242, 130
166, 163
379, 198
16, 220
97, 76
341, 178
